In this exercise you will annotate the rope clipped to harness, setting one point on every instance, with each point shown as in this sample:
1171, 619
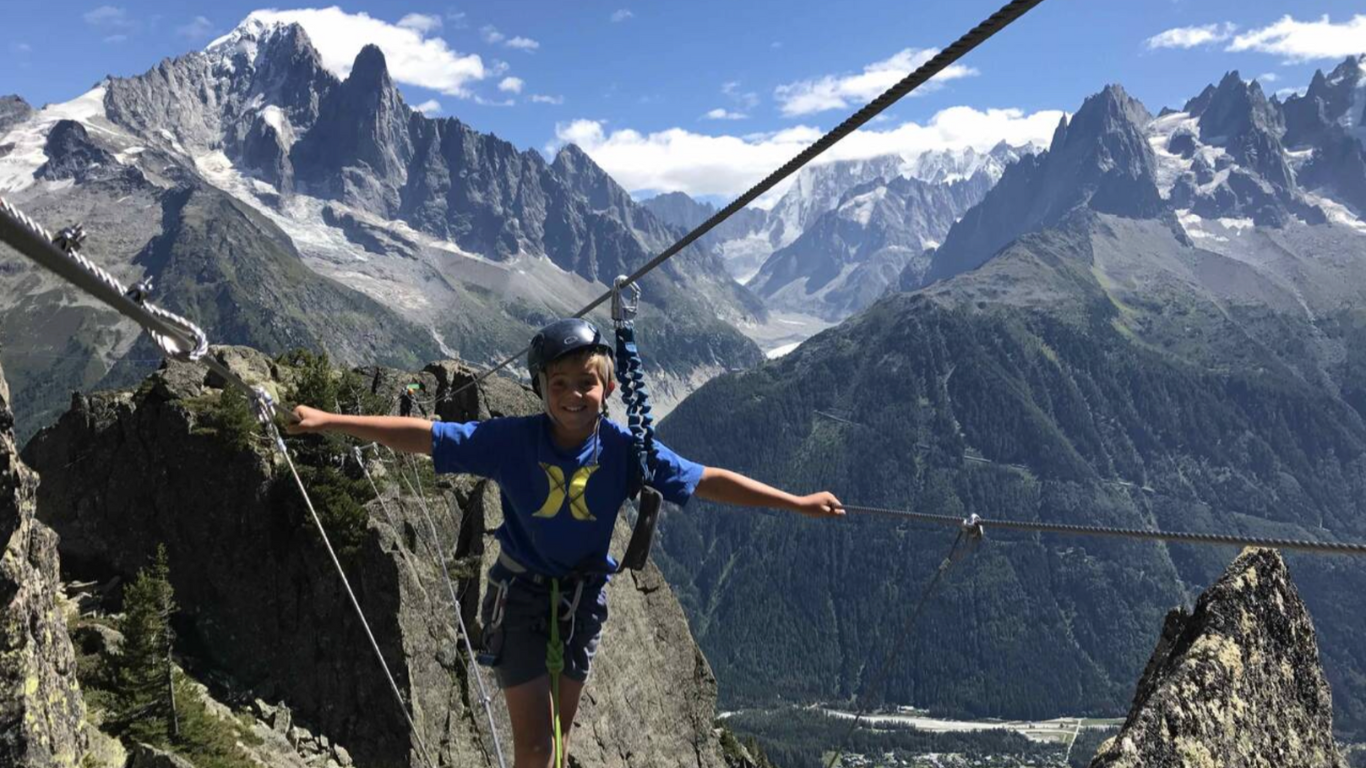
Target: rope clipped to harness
631, 376
554, 666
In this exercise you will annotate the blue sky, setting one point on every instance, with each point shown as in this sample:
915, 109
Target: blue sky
705, 95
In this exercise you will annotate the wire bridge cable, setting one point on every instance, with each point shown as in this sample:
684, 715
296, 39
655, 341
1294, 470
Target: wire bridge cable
346, 582
471, 668
966, 530
1178, 537
941, 61
177, 337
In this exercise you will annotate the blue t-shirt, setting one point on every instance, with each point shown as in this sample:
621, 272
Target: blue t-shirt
559, 507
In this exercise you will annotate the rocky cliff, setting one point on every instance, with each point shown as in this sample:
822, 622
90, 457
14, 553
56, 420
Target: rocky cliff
1236, 681
42, 715
262, 606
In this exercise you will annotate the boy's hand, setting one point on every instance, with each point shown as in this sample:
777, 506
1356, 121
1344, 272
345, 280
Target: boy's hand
309, 420
823, 504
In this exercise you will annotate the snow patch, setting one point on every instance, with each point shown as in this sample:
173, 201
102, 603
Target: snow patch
129, 155
777, 352
859, 208
275, 118
1170, 166
30, 137
1337, 213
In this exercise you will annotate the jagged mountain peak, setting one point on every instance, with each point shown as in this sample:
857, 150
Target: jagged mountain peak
1104, 112
370, 69
1350, 70
1235, 108
257, 42
572, 159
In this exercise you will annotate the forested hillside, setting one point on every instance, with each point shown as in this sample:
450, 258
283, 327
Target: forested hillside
1098, 429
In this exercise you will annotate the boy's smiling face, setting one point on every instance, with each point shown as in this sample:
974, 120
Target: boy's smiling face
574, 394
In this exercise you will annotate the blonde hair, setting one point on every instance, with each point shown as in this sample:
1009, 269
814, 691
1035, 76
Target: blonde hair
603, 365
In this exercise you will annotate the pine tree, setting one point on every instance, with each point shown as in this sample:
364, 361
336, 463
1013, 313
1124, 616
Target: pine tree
143, 673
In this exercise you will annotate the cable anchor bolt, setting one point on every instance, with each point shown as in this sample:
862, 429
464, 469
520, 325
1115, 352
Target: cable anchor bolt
140, 290
972, 527
70, 239
624, 309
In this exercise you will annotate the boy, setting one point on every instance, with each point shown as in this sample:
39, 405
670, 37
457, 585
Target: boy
564, 474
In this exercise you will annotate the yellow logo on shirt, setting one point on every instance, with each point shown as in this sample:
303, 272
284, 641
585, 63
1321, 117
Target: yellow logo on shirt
578, 485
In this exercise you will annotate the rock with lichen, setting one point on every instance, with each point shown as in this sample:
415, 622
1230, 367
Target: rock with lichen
1235, 682
42, 715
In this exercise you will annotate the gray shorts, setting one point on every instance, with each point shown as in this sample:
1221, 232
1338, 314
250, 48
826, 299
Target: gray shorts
515, 615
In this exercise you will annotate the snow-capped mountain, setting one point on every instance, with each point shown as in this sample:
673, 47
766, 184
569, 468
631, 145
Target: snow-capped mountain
849, 255
750, 239
453, 241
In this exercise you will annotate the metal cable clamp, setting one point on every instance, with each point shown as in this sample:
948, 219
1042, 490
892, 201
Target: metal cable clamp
624, 309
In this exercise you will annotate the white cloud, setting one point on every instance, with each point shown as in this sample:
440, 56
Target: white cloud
1301, 41
429, 107
745, 99
511, 85
420, 22
492, 36
1191, 37
116, 39
108, 16
540, 98
1286, 93
1268, 77
197, 29
621, 14
22, 48
457, 19
838, 92
413, 57
700, 164
491, 103
724, 114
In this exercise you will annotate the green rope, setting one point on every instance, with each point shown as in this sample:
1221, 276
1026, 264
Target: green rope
554, 664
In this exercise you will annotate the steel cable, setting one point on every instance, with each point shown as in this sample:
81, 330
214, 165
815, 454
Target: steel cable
1178, 537
941, 61
470, 667
346, 582
906, 627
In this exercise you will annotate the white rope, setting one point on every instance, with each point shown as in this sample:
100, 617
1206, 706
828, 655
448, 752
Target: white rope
264, 401
471, 668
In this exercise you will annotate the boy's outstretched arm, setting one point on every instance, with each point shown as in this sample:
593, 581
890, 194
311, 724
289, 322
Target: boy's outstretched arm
727, 487
401, 433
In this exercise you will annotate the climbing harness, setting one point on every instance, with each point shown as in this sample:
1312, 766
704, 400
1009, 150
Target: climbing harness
969, 529
960, 47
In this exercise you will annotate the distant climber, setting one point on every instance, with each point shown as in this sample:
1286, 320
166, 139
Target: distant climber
564, 475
